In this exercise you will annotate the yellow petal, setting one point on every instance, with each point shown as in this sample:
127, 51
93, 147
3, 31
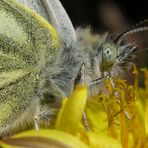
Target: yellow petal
70, 115
97, 117
144, 97
123, 131
42, 139
146, 115
102, 141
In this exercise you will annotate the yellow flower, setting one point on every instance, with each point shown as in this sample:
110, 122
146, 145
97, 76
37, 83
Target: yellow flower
70, 115
118, 119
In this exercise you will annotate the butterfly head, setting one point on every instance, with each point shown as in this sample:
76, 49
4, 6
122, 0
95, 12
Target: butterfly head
108, 53
112, 58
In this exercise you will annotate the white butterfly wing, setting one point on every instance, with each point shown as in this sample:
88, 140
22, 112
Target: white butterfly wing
54, 12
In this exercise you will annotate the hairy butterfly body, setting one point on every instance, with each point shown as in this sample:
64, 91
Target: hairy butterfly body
40, 63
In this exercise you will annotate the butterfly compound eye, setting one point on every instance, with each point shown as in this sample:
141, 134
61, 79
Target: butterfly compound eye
109, 54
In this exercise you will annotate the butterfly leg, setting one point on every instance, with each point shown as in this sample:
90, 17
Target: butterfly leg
36, 125
94, 86
46, 114
80, 79
118, 98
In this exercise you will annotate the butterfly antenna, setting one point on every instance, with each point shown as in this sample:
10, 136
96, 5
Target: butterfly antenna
99, 80
140, 27
140, 51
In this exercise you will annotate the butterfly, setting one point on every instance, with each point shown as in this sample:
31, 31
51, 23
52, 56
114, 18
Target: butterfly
41, 55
